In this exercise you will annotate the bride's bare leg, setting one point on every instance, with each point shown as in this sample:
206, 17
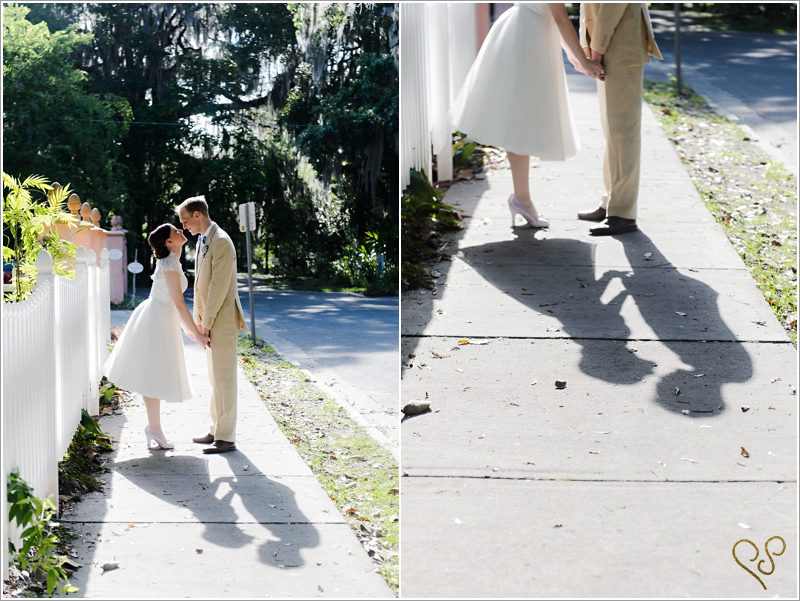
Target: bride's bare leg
520, 176
153, 407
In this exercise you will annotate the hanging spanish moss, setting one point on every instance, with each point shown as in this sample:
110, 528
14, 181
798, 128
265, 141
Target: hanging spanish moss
290, 106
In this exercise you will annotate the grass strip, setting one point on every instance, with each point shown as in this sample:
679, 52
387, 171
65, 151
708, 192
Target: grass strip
359, 475
751, 196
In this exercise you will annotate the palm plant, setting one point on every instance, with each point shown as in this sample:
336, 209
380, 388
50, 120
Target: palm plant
28, 228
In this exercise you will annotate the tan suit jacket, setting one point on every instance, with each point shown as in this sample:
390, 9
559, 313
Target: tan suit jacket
216, 299
621, 32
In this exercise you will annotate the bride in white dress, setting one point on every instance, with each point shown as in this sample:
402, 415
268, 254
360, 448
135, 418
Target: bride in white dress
148, 357
516, 96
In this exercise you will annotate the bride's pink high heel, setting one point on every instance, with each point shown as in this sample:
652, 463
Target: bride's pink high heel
152, 436
516, 208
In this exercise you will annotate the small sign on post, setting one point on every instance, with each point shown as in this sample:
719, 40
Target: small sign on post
135, 268
247, 223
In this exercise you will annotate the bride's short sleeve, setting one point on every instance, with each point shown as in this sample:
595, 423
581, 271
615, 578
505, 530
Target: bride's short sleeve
168, 263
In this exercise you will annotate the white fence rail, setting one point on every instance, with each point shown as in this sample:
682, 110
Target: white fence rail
438, 42
54, 346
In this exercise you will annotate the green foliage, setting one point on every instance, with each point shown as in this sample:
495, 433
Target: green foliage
76, 472
39, 551
464, 153
107, 392
290, 106
52, 122
26, 230
423, 216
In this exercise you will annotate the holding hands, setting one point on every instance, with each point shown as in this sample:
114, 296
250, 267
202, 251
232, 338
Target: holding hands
590, 64
202, 338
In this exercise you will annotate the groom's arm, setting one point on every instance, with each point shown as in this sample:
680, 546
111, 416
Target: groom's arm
223, 266
606, 21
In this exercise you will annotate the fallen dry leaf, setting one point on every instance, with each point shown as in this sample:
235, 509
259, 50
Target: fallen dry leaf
394, 491
560, 384
745, 409
463, 341
199, 551
416, 407
745, 453
111, 565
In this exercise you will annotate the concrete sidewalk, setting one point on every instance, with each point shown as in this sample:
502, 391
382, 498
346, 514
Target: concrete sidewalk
252, 523
631, 481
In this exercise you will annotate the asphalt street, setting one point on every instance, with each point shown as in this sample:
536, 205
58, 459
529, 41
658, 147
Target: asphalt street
348, 342
751, 76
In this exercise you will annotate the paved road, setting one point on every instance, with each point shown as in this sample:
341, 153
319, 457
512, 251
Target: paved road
350, 343
750, 75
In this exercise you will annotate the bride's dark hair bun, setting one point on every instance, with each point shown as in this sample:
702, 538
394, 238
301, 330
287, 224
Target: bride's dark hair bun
158, 240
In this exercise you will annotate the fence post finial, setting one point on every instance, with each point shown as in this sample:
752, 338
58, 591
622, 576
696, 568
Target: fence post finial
86, 211
96, 216
74, 204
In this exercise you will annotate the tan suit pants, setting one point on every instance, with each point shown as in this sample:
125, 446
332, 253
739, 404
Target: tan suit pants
221, 359
620, 97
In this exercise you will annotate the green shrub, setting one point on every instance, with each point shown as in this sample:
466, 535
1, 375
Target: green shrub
39, 552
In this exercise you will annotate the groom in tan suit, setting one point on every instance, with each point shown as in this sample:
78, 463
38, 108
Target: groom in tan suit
620, 36
218, 314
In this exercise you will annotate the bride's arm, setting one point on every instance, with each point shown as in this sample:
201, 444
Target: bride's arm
571, 44
174, 285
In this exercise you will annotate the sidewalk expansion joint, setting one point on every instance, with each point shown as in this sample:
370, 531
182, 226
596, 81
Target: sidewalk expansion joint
198, 522
565, 480
600, 338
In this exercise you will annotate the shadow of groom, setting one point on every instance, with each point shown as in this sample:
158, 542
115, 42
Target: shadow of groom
651, 297
185, 481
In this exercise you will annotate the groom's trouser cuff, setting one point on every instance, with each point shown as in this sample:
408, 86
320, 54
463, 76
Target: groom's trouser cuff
221, 359
620, 98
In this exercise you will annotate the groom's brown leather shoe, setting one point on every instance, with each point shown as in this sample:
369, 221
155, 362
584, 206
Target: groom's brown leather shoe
221, 446
614, 226
597, 215
207, 439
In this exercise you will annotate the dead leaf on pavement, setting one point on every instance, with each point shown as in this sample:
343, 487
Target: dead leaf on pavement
745, 453
416, 407
561, 384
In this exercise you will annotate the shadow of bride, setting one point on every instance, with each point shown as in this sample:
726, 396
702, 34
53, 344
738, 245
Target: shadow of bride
275, 523
597, 308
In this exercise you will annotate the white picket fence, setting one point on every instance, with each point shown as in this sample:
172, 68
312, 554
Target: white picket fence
438, 42
54, 345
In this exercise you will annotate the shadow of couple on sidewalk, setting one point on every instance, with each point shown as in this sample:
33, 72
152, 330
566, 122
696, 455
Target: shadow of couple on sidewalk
275, 523
559, 277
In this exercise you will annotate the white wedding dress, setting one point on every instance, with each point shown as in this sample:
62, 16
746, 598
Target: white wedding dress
515, 96
148, 357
